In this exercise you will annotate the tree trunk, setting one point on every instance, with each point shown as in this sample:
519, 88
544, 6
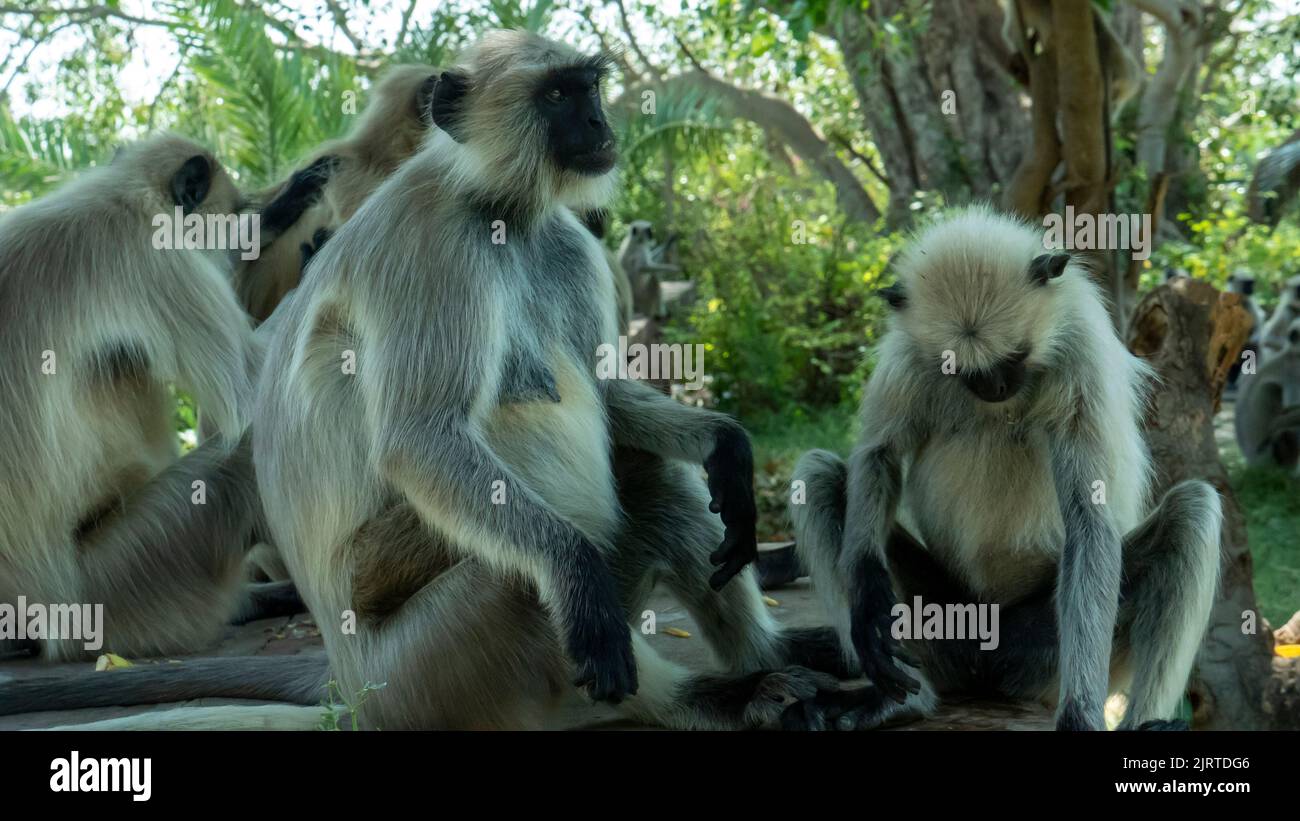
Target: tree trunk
1190, 333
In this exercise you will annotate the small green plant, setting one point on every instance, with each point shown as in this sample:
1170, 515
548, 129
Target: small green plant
335, 705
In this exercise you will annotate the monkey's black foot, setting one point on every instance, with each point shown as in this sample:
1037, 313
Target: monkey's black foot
603, 656
776, 693
1175, 725
269, 600
817, 648
1070, 718
848, 709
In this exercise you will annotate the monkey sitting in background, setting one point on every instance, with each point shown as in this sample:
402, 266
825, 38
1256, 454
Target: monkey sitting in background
1267, 415
389, 131
1003, 462
1278, 326
1244, 284
96, 323
640, 260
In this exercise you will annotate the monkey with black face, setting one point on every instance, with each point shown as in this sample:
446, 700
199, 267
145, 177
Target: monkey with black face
1244, 284
1267, 417
388, 132
1002, 462
96, 323
638, 257
1279, 322
456, 487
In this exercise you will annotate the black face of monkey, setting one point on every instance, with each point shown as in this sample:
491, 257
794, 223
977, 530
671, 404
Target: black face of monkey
999, 383
578, 135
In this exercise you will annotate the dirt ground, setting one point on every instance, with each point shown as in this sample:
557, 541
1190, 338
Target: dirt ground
795, 606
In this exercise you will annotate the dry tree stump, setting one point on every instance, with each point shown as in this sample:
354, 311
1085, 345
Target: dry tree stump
1191, 334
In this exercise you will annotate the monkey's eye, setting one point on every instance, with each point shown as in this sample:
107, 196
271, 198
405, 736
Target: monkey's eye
555, 96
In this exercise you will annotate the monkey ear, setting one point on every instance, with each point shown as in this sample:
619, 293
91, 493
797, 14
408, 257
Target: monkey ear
894, 295
446, 103
190, 184
1047, 266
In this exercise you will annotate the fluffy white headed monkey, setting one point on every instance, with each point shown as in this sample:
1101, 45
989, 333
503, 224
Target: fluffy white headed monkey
97, 322
434, 453
1002, 463
389, 131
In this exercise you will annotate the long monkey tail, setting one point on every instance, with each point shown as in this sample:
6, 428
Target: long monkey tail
292, 679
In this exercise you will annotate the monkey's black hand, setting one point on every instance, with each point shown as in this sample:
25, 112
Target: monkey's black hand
311, 179
730, 468
870, 620
302, 192
599, 640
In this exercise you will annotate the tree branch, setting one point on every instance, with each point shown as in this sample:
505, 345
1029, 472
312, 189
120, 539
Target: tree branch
341, 20
87, 13
406, 22
781, 119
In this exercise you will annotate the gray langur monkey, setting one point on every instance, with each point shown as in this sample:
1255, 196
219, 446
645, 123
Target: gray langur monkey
389, 131
96, 323
455, 492
462, 487
1243, 283
1002, 462
1267, 418
638, 256
1279, 322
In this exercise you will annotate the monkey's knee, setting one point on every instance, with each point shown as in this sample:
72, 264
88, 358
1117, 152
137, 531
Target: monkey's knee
817, 501
1189, 520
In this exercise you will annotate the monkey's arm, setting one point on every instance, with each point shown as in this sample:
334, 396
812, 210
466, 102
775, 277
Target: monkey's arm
874, 487
641, 417
1088, 580
300, 192
427, 445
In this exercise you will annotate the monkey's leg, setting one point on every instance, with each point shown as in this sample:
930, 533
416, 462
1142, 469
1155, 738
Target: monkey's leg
1171, 570
456, 645
167, 567
268, 600
792, 697
819, 529
667, 537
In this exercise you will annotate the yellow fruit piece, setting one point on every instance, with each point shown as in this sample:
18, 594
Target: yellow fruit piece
1288, 651
678, 632
111, 661
771, 602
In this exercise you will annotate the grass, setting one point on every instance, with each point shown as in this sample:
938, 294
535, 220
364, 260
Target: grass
1269, 498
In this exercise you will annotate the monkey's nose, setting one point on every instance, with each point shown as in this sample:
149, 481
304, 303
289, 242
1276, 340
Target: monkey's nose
996, 385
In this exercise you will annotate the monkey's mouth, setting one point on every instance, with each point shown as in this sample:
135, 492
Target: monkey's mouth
595, 162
